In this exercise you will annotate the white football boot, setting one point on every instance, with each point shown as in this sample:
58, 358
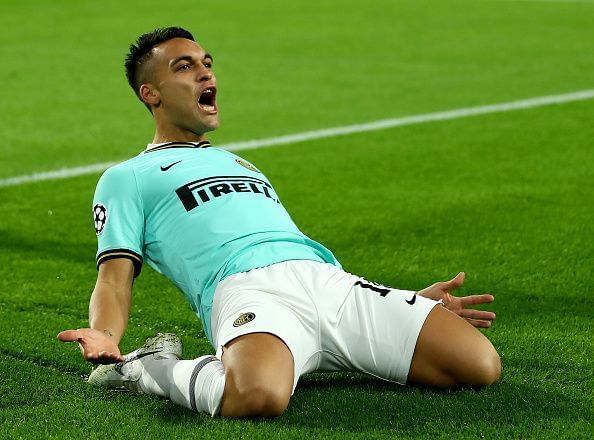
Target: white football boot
127, 374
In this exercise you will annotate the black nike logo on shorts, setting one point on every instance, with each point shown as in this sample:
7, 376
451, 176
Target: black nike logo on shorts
169, 166
412, 300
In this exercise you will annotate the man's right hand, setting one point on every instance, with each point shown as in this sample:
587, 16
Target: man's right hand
95, 346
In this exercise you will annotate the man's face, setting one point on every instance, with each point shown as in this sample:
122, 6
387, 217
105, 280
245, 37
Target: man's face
185, 86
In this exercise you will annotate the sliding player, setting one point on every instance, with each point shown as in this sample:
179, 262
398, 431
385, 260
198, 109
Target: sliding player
274, 303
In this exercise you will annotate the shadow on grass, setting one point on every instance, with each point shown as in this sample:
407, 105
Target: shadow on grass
362, 403
33, 244
357, 403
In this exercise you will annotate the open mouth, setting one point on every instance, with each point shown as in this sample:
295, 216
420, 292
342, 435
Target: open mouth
207, 100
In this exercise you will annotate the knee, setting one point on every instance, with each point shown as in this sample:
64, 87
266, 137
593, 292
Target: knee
256, 398
262, 401
487, 369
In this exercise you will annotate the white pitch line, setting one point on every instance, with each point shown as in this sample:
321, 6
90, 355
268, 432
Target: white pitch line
415, 119
546, 1
332, 132
62, 173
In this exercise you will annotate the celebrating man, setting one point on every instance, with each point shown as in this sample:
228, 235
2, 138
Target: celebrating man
274, 303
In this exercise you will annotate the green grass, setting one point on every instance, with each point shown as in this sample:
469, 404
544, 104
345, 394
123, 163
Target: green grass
505, 197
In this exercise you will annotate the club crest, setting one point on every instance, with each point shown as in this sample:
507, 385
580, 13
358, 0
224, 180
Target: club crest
244, 318
247, 165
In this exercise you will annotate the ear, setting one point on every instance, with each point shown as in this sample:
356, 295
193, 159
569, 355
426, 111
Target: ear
150, 95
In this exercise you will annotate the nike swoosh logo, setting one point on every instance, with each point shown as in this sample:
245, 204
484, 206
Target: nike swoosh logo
412, 300
141, 355
169, 166
119, 365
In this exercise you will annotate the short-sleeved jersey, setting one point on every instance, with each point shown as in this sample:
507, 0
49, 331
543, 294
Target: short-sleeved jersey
196, 214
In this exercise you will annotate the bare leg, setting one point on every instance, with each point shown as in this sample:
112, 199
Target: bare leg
450, 351
258, 376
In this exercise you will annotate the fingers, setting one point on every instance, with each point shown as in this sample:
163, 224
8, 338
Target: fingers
479, 324
91, 357
103, 357
453, 284
477, 314
93, 350
69, 336
477, 299
457, 280
110, 358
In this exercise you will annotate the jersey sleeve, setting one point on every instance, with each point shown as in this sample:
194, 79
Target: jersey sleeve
119, 217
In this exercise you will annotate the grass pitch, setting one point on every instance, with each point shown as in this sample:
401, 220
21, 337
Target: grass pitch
505, 197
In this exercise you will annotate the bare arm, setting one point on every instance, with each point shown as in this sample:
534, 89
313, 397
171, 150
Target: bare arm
108, 313
109, 307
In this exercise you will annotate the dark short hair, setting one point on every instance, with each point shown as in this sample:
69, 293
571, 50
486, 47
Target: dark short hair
140, 53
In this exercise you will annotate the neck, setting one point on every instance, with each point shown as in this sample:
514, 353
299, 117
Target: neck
180, 136
166, 132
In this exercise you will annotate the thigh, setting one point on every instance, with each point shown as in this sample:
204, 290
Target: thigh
374, 330
450, 351
259, 373
247, 304
259, 360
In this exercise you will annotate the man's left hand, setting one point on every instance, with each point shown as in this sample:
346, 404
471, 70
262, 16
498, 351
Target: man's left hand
458, 305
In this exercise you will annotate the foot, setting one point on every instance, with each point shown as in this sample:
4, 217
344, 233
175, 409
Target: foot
127, 374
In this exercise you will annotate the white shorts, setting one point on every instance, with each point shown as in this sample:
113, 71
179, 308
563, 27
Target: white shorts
329, 319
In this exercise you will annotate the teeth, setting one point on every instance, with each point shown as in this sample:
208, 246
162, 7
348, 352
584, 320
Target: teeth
208, 96
207, 107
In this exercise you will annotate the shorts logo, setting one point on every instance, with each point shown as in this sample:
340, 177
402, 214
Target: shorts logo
247, 165
375, 287
412, 300
99, 217
244, 318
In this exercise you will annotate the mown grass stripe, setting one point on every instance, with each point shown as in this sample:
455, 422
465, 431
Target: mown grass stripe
332, 132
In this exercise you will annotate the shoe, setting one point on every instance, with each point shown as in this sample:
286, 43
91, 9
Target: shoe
127, 374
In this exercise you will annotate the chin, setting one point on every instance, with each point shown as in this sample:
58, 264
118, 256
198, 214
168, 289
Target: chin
211, 127
205, 128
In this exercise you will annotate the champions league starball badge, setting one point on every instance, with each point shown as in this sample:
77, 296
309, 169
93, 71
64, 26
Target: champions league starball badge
99, 217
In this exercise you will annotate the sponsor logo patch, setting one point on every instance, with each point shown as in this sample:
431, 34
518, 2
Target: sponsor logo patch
99, 217
244, 318
199, 192
247, 165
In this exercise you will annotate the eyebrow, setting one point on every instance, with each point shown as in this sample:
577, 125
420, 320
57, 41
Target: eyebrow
174, 61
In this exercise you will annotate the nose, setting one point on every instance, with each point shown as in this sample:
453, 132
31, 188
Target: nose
204, 74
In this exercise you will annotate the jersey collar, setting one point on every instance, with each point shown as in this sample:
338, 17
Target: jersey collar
154, 147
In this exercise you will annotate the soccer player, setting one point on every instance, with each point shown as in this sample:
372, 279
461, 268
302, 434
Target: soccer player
274, 303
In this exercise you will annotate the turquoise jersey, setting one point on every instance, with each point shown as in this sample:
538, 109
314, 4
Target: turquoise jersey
196, 214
